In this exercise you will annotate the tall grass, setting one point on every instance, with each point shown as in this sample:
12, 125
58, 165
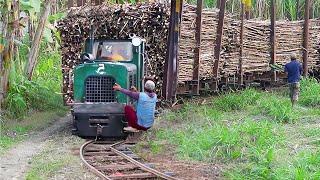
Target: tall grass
310, 92
237, 100
285, 9
278, 109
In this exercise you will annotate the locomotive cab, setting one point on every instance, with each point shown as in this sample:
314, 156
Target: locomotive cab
98, 110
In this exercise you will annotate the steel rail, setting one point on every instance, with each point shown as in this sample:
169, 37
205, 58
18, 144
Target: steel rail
142, 166
91, 168
123, 155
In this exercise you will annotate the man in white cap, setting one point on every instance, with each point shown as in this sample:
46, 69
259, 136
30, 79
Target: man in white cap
143, 118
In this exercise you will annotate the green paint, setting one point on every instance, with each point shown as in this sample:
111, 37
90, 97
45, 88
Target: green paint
118, 70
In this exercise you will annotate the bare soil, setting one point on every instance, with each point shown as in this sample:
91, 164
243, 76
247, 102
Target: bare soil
15, 162
18, 160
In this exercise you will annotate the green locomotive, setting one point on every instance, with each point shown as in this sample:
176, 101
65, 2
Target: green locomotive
98, 110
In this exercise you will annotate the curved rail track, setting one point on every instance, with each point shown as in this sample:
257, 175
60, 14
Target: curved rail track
115, 160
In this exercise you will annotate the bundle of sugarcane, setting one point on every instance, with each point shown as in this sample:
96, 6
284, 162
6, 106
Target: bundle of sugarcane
149, 21
314, 45
187, 43
256, 46
289, 40
208, 34
230, 51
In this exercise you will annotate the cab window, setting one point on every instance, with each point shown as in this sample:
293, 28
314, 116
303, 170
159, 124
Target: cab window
113, 51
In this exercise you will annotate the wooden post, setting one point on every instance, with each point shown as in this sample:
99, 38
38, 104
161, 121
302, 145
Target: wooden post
273, 38
218, 43
171, 63
197, 50
240, 76
306, 38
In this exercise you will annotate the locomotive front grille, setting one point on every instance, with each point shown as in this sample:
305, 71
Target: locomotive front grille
99, 89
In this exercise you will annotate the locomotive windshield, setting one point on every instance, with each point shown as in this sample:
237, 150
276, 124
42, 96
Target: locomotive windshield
113, 51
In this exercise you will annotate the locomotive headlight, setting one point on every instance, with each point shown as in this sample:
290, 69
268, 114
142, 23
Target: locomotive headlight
86, 57
136, 41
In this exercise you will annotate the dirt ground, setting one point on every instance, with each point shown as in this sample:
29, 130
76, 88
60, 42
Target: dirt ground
17, 161
57, 141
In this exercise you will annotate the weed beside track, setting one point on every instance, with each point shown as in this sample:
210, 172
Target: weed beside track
251, 134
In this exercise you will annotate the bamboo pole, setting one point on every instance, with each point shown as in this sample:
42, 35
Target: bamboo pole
297, 9
240, 77
273, 38
197, 50
306, 38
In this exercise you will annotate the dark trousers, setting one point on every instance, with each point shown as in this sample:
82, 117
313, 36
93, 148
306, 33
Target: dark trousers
131, 116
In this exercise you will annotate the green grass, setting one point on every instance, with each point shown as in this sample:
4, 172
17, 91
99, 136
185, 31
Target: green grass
277, 108
310, 93
45, 168
15, 131
237, 101
285, 9
255, 135
47, 163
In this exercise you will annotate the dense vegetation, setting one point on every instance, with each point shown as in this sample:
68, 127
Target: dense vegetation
285, 9
41, 90
250, 134
36, 99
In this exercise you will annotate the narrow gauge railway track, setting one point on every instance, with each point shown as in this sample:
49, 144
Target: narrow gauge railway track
115, 160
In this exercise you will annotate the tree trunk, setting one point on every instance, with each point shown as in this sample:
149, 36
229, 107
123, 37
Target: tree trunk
3, 60
10, 27
33, 55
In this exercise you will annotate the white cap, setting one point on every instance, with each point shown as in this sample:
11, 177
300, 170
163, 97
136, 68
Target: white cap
149, 85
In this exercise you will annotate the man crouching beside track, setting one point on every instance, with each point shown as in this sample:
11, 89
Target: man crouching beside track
294, 70
144, 117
